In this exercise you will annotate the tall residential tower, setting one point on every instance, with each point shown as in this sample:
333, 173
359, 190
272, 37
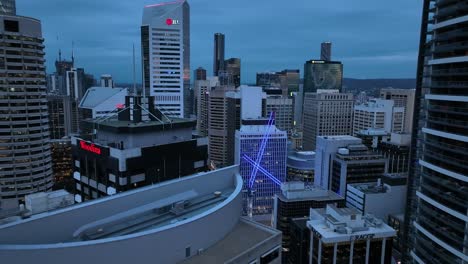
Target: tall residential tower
25, 157
437, 219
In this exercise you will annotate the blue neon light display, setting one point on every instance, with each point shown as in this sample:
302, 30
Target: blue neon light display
262, 170
261, 151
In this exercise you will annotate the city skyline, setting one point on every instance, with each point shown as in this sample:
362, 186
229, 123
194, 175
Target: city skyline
359, 35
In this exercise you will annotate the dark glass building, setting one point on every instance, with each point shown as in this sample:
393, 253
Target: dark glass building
323, 75
436, 225
200, 74
232, 68
326, 51
218, 56
141, 147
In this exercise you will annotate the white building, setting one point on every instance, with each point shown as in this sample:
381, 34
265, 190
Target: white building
101, 102
344, 235
402, 98
379, 114
165, 34
326, 114
381, 198
327, 146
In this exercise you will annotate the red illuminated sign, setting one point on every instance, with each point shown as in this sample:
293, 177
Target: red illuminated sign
90, 147
171, 22
120, 106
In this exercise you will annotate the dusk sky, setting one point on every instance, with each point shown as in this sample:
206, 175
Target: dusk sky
374, 39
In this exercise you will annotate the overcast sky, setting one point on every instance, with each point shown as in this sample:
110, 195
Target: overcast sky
373, 38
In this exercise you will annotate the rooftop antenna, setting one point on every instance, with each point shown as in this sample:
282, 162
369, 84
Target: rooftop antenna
60, 54
134, 71
73, 54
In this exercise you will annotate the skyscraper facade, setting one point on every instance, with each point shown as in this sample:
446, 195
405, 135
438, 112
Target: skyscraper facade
202, 95
24, 128
218, 56
8, 7
232, 67
323, 75
402, 98
380, 115
262, 169
436, 224
283, 108
326, 114
165, 40
200, 74
223, 120
107, 81
326, 51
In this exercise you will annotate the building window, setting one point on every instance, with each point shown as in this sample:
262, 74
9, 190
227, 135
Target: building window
187, 252
270, 256
11, 25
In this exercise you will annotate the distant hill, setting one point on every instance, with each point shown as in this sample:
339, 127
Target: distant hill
372, 86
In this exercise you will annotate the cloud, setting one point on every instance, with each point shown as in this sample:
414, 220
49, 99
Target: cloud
372, 38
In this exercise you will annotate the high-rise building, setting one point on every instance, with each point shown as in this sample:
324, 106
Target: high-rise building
327, 147
261, 152
59, 116
283, 108
202, 96
437, 221
165, 40
106, 81
223, 120
200, 74
402, 98
355, 164
380, 115
295, 200
218, 55
323, 75
293, 80
344, 235
326, 114
24, 129
62, 164
232, 69
326, 51
137, 148
8, 7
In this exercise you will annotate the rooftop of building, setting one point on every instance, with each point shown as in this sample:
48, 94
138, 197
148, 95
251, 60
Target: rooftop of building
244, 237
346, 224
323, 62
123, 126
94, 96
337, 138
373, 132
131, 214
298, 191
369, 188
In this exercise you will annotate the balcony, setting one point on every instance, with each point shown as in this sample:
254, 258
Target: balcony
449, 84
